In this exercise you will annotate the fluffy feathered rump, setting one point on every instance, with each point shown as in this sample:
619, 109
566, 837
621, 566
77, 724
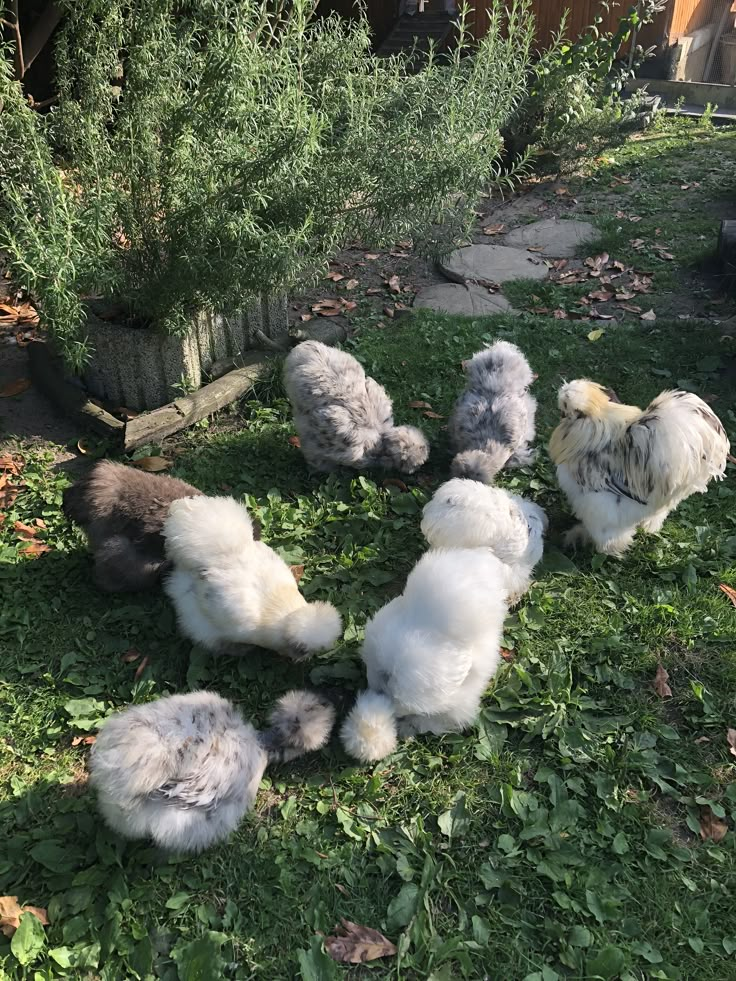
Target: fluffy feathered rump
432, 650
239, 591
185, 769
624, 468
492, 424
122, 510
343, 417
369, 733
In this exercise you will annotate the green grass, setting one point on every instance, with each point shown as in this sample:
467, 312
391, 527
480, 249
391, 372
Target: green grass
558, 839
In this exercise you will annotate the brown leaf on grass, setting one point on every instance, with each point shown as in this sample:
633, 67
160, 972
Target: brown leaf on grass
637, 243
731, 740
354, 944
130, 656
535, 248
297, 572
506, 654
21, 313
152, 464
649, 315
540, 310
372, 255
16, 387
429, 414
561, 191
419, 405
25, 531
141, 668
498, 229
341, 888
559, 264
603, 295
305, 317
660, 682
11, 464
295, 441
389, 312
597, 263
327, 308
624, 295
702, 739
711, 827
10, 913
395, 482
731, 593
630, 308
8, 492
394, 284
560, 315
351, 284
373, 290
34, 548
349, 305
334, 276
84, 740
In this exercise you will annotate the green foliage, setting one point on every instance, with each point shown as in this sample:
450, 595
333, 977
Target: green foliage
237, 150
573, 105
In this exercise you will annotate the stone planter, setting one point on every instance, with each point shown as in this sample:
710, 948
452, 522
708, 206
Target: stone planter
138, 369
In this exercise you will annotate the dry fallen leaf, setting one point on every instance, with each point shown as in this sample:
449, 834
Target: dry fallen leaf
702, 739
334, 276
395, 482
327, 308
84, 740
394, 284
373, 290
141, 668
8, 492
152, 464
506, 654
10, 914
295, 441
297, 571
731, 740
624, 295
660, 682
419, 405
429, 414
494, 229
372, 255
355, 944
349, 305
731, 593
351, 284
561, 191
711, 827
11, 464
130, 656
25, 531
16, 387
342, 889
603, 295
304, 317
34, 548
649, 315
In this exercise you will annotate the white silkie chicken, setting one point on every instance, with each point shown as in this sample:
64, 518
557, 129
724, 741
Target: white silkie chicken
229, 589
430, 653
185, 769
468, 514
624, 468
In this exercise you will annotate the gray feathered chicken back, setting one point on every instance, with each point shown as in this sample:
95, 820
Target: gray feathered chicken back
185, 769
343, 417
492, 424
122, 510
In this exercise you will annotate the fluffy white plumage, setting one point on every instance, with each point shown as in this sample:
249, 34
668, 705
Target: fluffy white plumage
624, 468
492, 424
430, 653
468, 514
230, 589
344, 418
184, 770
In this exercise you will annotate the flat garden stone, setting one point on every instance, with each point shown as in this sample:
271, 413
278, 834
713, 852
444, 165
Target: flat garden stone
491, 264
466, 301
559, 238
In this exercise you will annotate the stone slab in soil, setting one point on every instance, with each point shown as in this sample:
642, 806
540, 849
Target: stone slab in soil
465, 301
557, 238
491, 264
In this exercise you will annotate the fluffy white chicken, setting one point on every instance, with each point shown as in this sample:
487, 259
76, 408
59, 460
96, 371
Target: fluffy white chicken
430, 653
468, 514
230, 589
492, 424
184, 770
344, 418
623, 468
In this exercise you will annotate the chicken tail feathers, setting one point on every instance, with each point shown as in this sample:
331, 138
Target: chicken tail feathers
370, 731
481, 465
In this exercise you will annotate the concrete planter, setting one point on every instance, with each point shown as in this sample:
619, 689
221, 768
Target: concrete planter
138, 369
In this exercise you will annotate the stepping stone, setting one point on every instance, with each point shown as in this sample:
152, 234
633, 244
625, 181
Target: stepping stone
466, 301
491, 264
559, 238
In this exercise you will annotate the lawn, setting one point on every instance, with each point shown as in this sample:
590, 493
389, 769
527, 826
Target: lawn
577, 832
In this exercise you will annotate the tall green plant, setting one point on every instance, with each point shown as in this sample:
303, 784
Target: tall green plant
239, 147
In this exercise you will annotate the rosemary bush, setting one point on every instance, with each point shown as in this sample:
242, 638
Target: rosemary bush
207, 150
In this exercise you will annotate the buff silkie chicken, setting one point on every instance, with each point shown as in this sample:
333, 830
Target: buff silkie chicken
430, 653
229, 589
468, 514
185, 769
122, 510
623, 468
492, 424
343, 417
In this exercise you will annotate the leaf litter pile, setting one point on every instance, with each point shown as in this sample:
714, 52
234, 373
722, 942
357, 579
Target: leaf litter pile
584, 828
